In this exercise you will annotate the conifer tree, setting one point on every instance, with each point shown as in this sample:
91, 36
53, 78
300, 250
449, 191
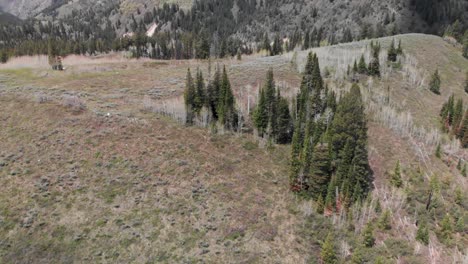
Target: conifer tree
392, 52
328, 253
362, 68
466, 82
374, 65
457, 116
199, 99
260, 114
446, 228
399, 50
368, 236
284, 122
226, 110
384, 221
396, 176
355, 67
213, 93
434, 85
330, 198
438, 151
320, 205
422, 235
189, 97
306, 40
295, 167
357, 257
320, 170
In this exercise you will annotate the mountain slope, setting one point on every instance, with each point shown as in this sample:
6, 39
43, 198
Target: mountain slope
114, 182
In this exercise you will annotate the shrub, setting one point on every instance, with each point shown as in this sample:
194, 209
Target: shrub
74, 103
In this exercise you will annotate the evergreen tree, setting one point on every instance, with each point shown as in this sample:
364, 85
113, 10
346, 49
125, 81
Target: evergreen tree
284, 122
213, 93
438, 151
434, 85
357, 257
466, 82
374, 65
320, 170
349, 127
199, 99
368, 236
306, 40
355, 67
260, 114
277, 46
189, 97
396, 176
463, 131
295, 167
422, 235
392, 52
399, 50
446, 228
320, 205
4, 57
328, 253
384, 221
226, 110
457, 116
362, 68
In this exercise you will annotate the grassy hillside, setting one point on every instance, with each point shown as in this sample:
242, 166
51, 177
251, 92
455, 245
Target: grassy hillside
89, 173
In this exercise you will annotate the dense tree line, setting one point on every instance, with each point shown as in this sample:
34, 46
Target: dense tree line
329, 146
216, 98
272, 117
455, 119
209, 28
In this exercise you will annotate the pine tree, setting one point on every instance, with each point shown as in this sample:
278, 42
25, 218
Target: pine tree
330, 199
368, 236
374, 65
434, 85
260, 114
392, 52
320, 205
466, 82
213, 93
362, 68
320, 170
357, 257
457, 116
226, 110
422, 235
306, 40
295, 167
438, 152
284, 122
396, 176
385, 221
328, 254
355, 67
399, 50
199, 99
446, 228
458, 196
189, 97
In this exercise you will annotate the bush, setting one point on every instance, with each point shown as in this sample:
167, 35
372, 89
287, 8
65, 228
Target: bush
74, 102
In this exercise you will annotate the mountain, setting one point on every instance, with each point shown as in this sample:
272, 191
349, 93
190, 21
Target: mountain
7, 18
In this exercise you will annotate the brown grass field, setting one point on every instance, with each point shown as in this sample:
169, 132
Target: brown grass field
88, 176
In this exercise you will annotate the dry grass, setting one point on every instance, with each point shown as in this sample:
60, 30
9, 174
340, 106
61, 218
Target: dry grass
113, 183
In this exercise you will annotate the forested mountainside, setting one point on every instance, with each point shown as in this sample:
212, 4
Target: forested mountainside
213, 27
